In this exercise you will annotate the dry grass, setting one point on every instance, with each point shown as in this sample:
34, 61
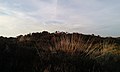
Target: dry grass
78, 50
74, 44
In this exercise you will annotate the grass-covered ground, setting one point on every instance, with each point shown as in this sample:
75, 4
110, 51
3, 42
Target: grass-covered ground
59, 52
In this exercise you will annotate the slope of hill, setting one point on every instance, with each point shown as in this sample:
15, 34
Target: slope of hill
59, 52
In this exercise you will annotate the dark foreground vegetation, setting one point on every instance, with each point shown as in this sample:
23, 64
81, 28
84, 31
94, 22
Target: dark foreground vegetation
59, 52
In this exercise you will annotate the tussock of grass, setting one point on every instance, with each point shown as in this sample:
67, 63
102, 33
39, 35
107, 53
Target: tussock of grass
74, 51
73, 45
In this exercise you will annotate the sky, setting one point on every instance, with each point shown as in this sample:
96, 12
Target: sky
99, 17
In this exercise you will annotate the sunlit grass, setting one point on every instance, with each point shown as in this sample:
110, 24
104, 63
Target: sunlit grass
88, 52
74, 45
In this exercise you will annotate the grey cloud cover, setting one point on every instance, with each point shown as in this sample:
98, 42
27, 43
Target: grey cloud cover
88, 16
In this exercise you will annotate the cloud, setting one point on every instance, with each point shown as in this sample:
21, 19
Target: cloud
23, 16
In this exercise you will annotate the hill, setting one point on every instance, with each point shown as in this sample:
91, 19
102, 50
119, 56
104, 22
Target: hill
59, 52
